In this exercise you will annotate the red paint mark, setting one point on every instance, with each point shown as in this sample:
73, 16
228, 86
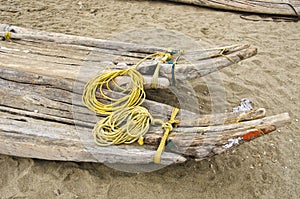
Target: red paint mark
251, 135
254, 134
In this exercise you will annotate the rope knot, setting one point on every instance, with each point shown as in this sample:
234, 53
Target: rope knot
7, 36
168, 128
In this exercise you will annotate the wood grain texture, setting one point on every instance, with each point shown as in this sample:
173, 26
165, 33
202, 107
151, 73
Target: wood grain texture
274, 7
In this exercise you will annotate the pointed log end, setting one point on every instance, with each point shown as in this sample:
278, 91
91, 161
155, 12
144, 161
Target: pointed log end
247, 53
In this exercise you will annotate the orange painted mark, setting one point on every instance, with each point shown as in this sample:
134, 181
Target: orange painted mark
254, 134
251, 135
258, 132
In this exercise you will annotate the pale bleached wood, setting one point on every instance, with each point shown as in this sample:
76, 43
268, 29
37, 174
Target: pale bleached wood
277, 120
275, 7
27, 137
210, 141
37, 92
67, 53
33, 35
228, 130
204, 67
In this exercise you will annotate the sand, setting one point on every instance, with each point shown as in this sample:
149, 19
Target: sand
265, 168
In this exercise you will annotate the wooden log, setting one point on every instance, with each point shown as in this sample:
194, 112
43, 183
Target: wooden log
59, 51
56, 96
26, 59
274, 7
183, 134
27, 137
59, 38
215, 146
207, 66
215, 140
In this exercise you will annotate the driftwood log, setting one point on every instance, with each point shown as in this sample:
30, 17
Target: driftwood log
42, 115
274, 7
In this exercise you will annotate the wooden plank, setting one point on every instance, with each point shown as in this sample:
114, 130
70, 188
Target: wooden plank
274, 7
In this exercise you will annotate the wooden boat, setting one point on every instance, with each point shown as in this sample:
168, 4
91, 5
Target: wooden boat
40, 117
273, 7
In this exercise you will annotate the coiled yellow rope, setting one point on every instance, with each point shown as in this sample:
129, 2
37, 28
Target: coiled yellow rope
123, 126
135, 93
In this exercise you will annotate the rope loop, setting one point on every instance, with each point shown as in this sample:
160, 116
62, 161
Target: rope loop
124, 126
135, 94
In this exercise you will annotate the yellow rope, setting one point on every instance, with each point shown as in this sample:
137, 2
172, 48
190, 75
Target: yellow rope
165, 57
123, 126
135, 94
8, 36
168, 128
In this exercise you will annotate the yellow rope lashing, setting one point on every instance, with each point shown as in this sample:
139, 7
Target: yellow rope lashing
7, 36
168, 128
165, 57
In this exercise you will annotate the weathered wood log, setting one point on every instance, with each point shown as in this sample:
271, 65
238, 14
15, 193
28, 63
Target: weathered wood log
274, 7
55, 50
207, 66
56, 97
59, 38
68, 62
28, 137
182, 135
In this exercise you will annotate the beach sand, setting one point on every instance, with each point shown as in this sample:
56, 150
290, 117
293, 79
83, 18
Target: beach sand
265, 168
